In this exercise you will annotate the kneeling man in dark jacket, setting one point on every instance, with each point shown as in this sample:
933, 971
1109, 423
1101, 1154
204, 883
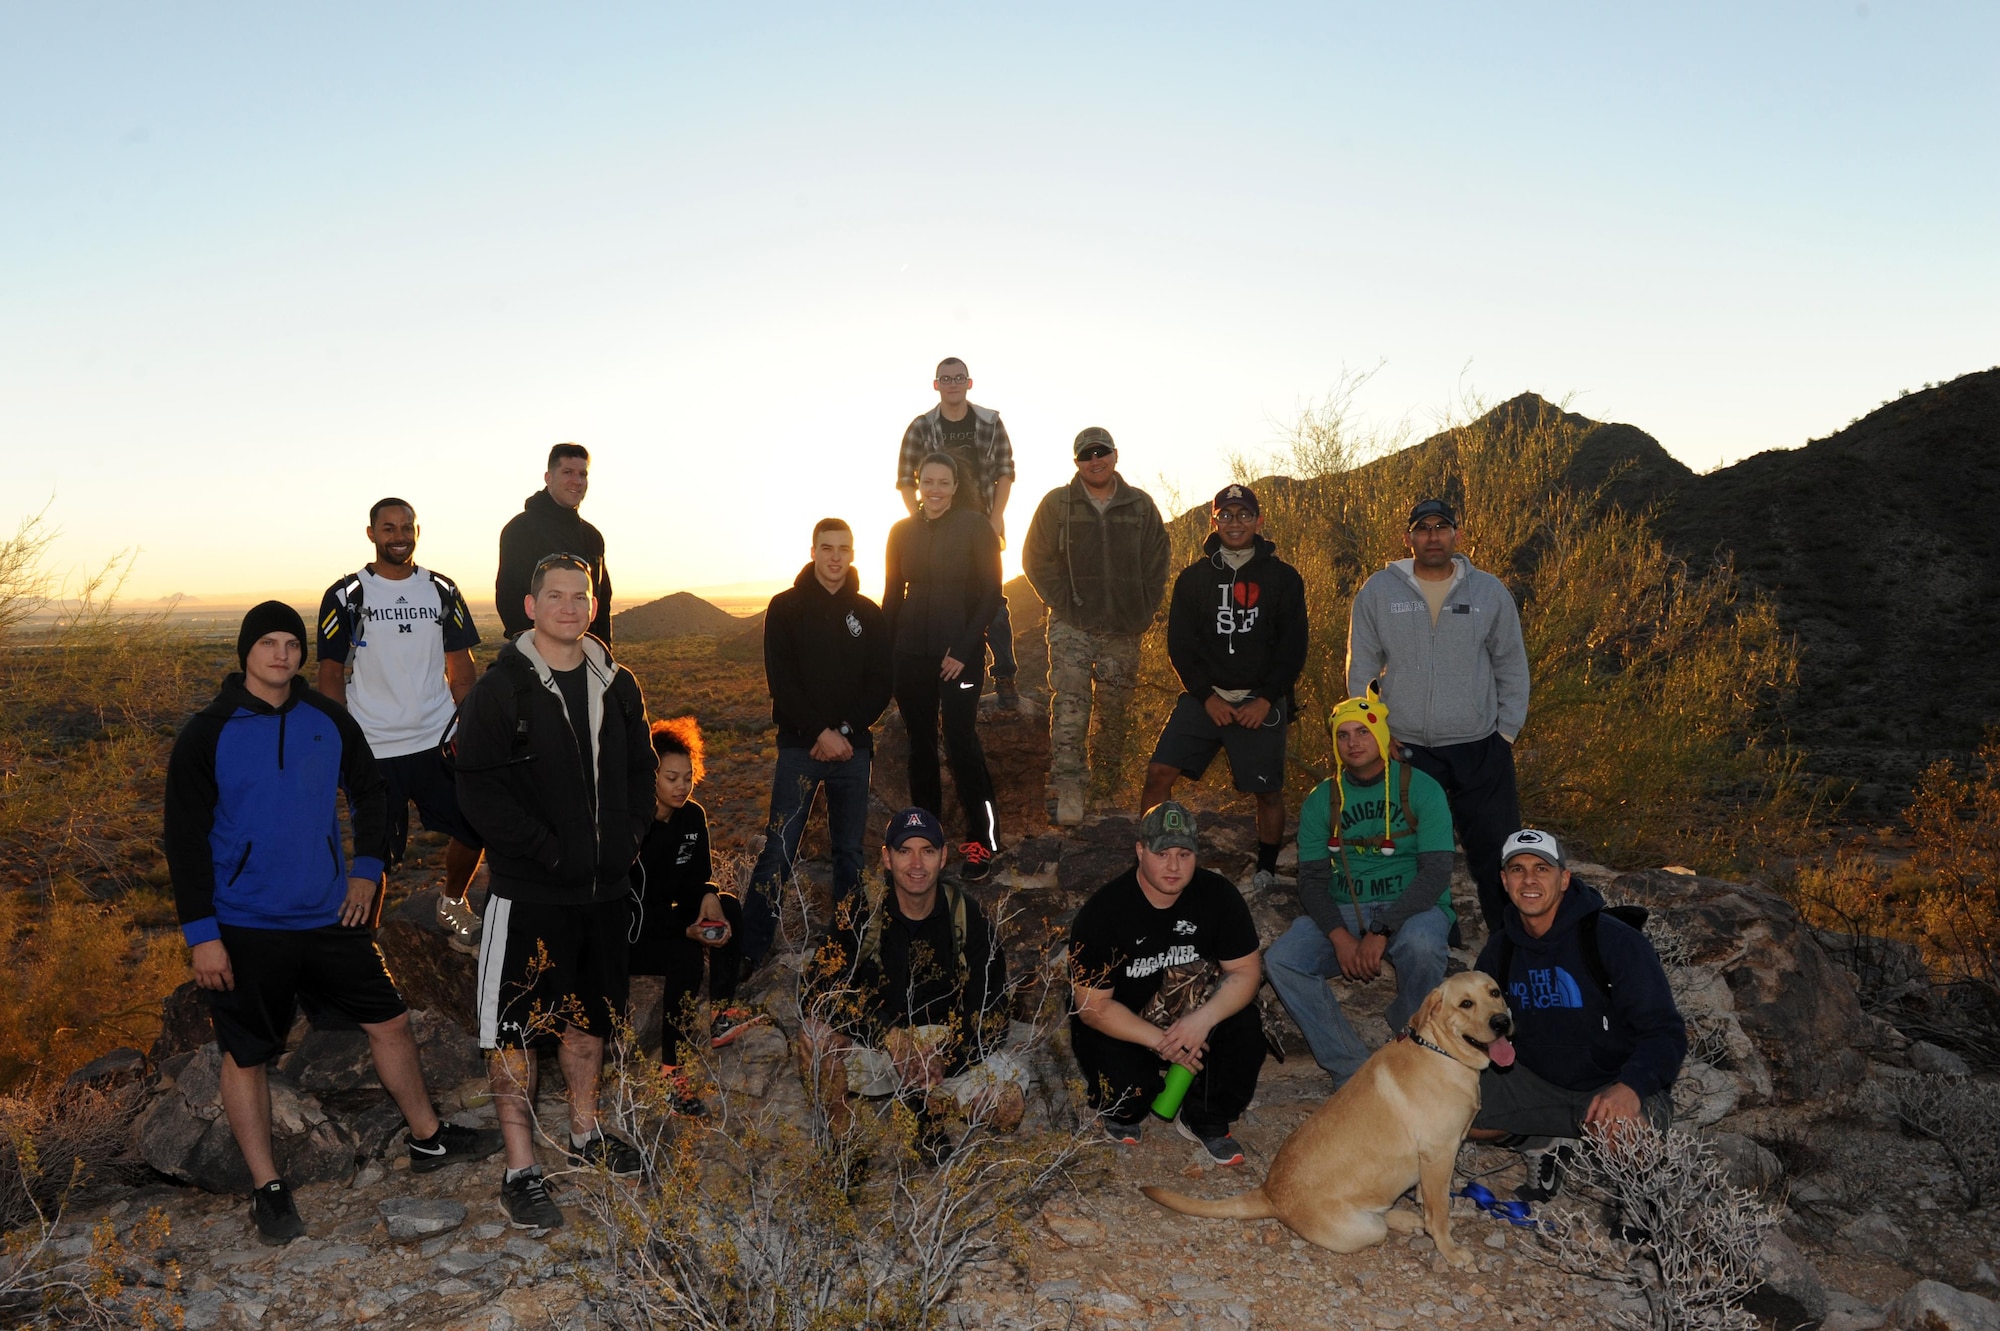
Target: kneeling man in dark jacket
1597, 1037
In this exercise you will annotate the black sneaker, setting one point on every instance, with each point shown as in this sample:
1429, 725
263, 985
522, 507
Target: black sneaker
277, 1219
614, 1154
1545, 1174
450, 1145
1005, 693
526, 1201
1124, 1134
978, 862
1221, 1147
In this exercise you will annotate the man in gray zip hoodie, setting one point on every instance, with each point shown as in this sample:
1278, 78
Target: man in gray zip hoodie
1097, 554
1444, 640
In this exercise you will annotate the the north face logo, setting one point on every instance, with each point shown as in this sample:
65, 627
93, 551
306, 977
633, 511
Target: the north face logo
1244, 594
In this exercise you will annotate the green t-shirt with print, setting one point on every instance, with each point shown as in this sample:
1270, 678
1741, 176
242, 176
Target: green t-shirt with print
1378, 876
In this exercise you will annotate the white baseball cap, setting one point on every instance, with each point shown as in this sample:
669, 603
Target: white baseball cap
1528, 841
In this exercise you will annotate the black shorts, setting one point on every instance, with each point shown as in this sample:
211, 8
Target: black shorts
336, 971
421, 779
545, 967
1256, 757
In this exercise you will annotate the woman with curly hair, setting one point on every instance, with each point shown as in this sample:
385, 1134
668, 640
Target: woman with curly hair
678, 915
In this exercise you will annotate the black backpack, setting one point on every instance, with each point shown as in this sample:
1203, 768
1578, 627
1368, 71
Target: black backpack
526, 685
1586, 937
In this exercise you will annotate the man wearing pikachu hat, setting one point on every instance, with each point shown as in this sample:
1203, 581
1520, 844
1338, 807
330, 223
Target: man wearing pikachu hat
1375, 844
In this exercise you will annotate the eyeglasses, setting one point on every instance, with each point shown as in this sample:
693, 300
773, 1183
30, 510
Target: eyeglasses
1094, 452
953, 380
1432, 528
1514, 1213
563, 559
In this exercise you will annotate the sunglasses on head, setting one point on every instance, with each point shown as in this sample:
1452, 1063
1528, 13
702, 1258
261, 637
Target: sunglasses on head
563, 559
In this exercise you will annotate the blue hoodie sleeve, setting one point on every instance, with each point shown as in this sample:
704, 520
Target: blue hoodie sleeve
1644, 1005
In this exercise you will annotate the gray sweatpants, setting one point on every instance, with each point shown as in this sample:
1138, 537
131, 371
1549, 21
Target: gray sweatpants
1517, 1100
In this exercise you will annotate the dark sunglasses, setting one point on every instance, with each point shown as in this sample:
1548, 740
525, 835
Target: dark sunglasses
563, 559
1094, 452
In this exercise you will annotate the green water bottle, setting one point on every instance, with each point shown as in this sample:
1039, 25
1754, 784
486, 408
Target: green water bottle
1168, 1102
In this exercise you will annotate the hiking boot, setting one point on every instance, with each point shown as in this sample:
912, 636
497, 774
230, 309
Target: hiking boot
1545, 1173
613, 1154
451, 1144
729, 1023
460, 921
978, 862
1005, 693
1221, 1147
526, 1201
277, 1219
1124, 1134
1069, 804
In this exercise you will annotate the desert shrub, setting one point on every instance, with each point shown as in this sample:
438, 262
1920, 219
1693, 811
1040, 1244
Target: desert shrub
1654, 679
1963, 1117
769, 1213
48, 1277
1923, 937
1681, 1237
80, 979
53, 1141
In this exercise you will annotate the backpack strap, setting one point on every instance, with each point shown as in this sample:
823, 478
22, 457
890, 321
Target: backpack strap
1588, 942
1403, 797
954, 900
347, 605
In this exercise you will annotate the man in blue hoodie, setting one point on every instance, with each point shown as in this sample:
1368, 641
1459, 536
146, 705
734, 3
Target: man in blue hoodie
1598, 1040
270, 906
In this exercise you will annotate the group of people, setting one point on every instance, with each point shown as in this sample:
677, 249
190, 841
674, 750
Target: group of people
547, 767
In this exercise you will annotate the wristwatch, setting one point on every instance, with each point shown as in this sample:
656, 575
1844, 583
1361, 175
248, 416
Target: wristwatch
845, 729
1377, 927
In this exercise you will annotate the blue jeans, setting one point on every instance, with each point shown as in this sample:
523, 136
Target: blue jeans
1301, 963
1000, 639
793, 785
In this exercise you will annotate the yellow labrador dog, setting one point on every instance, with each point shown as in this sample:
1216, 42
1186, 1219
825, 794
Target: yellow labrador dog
1397, 1123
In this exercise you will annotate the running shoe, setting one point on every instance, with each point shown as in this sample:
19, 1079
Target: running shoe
1124, 1134
458, 919
277, 1218
1545, 1173
978, 862
526, 1201
614, 1154
1221, 1147
1005, 693
450, 1145
729, 1023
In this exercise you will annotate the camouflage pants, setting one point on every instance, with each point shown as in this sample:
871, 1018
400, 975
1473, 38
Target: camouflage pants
1079, 659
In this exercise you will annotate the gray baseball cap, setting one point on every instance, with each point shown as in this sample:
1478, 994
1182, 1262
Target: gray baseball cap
1528, 841
1167, 825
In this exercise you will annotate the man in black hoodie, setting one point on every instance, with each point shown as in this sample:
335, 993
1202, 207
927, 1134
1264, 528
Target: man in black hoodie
828, 664
1598, 1039
549, 523
555, 774
1236, 633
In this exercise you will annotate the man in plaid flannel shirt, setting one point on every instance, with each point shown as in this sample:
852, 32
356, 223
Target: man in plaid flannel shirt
976, 438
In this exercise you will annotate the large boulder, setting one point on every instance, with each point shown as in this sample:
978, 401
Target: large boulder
339, 1060
431, 973
1797, 1005
185, 1134
1930, 1305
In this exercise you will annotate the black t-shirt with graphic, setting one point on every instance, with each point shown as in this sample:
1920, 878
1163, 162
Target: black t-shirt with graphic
1122, 942
958, 438
576, 701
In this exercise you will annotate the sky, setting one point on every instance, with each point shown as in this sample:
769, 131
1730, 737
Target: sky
262, 265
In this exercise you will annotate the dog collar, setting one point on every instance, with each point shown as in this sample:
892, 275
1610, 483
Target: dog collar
1411, 1031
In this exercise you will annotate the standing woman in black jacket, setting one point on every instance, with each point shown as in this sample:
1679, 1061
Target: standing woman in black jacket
943, 589
676, 907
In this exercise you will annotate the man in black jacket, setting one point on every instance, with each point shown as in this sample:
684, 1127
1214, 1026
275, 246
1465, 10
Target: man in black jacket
918, 1002
828, 664
555, 773
549, 523
1236, 633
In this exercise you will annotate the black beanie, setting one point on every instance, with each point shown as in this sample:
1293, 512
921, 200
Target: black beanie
270, 617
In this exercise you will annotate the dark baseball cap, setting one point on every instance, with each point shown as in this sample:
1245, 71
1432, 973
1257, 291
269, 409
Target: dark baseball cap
1241, 495
1093, 436
911, 823
1167, 825
1432, 508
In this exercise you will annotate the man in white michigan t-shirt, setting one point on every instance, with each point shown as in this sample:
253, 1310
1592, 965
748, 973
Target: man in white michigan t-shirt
395, 646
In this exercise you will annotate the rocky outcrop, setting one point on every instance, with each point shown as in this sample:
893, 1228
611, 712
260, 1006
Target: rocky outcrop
185, 1135
1806, 1034
428, 971
1931, 1305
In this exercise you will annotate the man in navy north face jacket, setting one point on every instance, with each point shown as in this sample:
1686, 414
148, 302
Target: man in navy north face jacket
271, 908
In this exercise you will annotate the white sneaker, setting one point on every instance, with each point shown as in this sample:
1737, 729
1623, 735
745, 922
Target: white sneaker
1261, 883
457, 918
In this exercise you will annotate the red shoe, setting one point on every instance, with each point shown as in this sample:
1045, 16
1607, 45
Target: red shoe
978, 861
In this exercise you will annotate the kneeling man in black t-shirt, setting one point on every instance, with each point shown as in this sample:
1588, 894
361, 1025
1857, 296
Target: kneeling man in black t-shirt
1164, 912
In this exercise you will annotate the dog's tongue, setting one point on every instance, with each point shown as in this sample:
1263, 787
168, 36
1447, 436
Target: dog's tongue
1501, 1051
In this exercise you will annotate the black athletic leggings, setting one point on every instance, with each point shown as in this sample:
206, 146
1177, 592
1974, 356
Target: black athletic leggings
1122, 1079
921, 697
678, 959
